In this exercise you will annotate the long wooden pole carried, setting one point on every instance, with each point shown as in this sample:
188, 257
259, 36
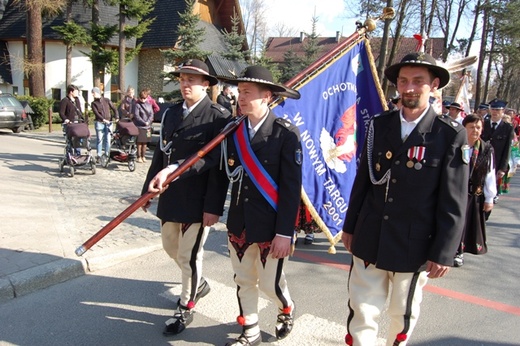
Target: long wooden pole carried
141, 201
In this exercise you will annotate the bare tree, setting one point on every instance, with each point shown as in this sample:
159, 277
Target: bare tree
255, 23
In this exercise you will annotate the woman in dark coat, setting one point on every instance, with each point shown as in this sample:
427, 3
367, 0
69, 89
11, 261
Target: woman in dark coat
143, 119
481, 190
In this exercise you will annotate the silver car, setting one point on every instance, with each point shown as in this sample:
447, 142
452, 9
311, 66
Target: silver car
12, 113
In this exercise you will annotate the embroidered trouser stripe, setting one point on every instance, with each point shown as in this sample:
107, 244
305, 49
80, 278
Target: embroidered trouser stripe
185, 244
369, 288
253, 276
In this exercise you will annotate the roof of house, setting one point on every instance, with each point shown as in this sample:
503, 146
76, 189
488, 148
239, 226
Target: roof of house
13, 22
224, 68
163, 30
277, 46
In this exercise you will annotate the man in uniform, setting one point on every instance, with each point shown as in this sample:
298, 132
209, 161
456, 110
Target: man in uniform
483, 111
193, 202
455, 112
445, 109
500, 134
264, 162
407, 207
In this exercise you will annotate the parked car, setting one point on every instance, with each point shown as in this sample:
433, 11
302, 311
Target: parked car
12, 113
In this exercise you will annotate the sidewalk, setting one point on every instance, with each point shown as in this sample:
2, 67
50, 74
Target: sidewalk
48, 215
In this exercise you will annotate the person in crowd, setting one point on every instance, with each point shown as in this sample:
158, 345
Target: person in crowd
481, 190
126, 109
500, 134
483, 111
306, 224
151, 100
445, 109
70, 106
261, 217
455, 112
407, 206
105, 114
143, 119
192, 203
224, 99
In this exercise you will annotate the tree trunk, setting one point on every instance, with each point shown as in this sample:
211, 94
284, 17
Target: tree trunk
397, 38
490, 61
482, 57
35, 50
68, 56
122, 49
97, 71
384, 43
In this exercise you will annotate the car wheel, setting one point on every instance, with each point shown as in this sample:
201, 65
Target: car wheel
71, 171
131, 165
18, 129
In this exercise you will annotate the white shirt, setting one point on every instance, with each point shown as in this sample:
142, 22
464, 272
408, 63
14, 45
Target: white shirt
408, 126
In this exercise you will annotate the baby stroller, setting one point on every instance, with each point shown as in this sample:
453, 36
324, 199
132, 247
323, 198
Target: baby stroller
123, 148
77, 137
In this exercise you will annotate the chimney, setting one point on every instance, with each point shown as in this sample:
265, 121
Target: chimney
302, 35
337, 36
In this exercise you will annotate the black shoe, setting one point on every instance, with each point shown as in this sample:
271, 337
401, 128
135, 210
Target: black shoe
458, 261
495, 199
309, 239
244, 340
284, 324
179, 321
202, 291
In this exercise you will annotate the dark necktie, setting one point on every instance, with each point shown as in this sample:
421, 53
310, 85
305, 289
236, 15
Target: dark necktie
493, 126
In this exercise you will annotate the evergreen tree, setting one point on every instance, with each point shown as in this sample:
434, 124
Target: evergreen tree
189, 38
72, 34
267, 62
234, 41
136, 10
310, 45
291, 66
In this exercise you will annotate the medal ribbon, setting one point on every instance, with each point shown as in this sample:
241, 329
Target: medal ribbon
259, 176
419, 153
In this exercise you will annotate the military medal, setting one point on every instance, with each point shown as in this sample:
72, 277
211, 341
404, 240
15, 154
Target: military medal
410, 154
417, 166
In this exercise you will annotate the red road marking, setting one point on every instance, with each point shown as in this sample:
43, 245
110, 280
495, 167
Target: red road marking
514, 310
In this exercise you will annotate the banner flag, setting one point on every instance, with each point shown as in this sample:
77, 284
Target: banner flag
332, 115
463, 96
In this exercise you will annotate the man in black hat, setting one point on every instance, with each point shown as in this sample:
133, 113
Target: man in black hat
445, 110
407, 207
483, 111
192, 203
455, 112
500, 134
263, 160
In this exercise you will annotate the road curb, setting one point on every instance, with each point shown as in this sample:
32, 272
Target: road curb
43, 276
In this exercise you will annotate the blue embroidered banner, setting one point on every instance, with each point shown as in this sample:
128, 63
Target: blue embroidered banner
332, 116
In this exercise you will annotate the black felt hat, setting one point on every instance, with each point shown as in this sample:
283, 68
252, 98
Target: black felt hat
195, 66
419, 59
455, 105
261, 75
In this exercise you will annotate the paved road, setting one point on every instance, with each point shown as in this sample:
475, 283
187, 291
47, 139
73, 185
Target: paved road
50, 214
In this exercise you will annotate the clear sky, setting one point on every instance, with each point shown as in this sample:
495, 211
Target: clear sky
298, 14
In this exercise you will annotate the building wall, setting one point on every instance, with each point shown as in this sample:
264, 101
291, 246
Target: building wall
151, 65
55, 69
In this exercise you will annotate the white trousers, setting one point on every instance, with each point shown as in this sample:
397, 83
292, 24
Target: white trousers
253, 276
185, 244
369, 288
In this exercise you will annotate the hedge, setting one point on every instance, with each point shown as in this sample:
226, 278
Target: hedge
40, 106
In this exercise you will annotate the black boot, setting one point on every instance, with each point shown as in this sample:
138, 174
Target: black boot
202, 291
246, 340
176, 325
284, 323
